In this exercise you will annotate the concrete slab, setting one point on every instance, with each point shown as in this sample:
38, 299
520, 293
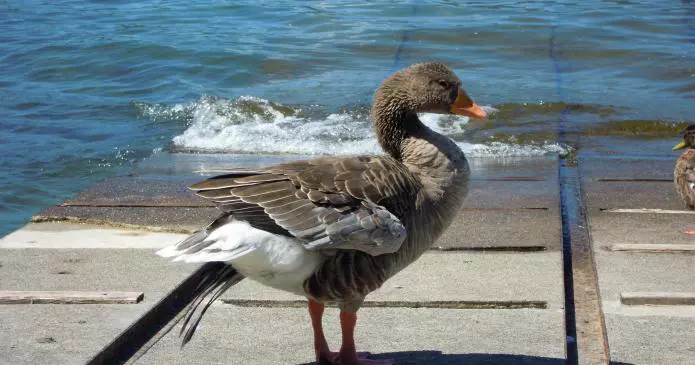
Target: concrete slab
456, 277
61, 334
645, 334
434, 277
84, 257
473, 228
513, 195
503, 228
649, 340
89, 270
643, 272
176, 219
234, 335
621, 168
73, 236
621, 228
156, 192
538, 168
618, 182
155, 201
653, 194
538, 175
526, 336
489, 196
141, 191
166, 189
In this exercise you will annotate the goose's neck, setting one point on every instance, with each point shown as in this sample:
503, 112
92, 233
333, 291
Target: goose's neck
402, 135
394, 124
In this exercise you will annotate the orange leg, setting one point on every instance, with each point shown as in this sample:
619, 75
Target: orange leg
347, 354
344, 357
320, 345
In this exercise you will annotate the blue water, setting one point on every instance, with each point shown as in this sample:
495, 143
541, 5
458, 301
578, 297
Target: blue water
90, 89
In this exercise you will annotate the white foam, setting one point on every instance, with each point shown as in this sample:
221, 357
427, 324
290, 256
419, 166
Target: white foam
254, 125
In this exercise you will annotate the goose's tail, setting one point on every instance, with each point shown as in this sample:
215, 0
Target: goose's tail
215, 278
218, 277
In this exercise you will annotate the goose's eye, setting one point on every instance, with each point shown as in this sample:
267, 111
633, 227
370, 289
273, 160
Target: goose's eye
443, 84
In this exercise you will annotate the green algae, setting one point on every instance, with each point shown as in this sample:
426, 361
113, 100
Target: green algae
640, 129
647, 129
516, 110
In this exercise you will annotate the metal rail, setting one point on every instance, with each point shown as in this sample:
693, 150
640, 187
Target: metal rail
587, 341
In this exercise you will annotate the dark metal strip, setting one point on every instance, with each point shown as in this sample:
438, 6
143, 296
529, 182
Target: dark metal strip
587, 340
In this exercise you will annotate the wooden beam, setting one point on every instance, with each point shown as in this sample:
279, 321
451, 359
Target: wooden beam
657, 298
666, 247
646, 211
69, 297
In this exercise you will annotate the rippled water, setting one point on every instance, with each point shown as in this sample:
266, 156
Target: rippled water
89, 89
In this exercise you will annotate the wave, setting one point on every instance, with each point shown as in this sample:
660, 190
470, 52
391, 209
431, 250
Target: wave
250, 124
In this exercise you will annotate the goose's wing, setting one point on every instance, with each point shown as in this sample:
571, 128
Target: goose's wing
328, 203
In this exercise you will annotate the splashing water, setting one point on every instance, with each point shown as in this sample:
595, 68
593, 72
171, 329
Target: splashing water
255, 125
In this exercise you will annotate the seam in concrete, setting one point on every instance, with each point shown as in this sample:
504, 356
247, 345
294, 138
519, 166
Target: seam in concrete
512, 178
445, 304
504, 209
491, 249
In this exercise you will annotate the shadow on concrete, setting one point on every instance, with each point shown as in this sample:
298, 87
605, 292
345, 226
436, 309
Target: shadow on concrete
438, 358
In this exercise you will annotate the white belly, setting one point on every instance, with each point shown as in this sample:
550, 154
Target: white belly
277, 261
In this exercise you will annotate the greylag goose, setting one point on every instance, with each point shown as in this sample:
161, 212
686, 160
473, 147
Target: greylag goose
335, 228
684, 173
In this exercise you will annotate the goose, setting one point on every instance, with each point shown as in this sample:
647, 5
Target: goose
334, 229
684, 173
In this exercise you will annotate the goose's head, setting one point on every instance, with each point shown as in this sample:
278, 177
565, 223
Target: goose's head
688, 139
423, 87
427, 87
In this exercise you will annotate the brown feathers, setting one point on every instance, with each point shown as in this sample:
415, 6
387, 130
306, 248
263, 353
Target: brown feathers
304, 198
684, 177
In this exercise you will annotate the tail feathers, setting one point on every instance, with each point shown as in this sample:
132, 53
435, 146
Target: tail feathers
184, 246
216, 281
195, 242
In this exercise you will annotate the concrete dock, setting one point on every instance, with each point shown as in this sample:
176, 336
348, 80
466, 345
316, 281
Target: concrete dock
492, 291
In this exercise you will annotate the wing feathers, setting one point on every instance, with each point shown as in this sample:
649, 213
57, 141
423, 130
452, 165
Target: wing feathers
343, 203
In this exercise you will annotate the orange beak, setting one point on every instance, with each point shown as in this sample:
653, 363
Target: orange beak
463, 105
